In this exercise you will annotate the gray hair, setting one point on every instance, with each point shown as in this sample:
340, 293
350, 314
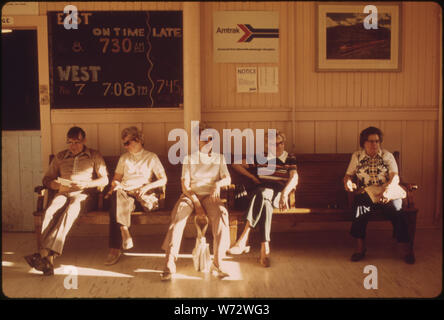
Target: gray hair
278, 134
134, 133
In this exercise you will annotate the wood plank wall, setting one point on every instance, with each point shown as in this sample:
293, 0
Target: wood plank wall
21, 172
320, 112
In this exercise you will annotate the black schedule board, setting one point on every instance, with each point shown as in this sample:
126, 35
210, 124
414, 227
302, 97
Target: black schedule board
117, 59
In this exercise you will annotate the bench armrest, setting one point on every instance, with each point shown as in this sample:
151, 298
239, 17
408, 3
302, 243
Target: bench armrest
410, 188
42, 198
227, 193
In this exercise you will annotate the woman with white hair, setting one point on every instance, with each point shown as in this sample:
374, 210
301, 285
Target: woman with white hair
267, 194
138, 174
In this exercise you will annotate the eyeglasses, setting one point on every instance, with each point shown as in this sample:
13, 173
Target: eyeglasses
74, 142
279, 143
127, 143
373, 141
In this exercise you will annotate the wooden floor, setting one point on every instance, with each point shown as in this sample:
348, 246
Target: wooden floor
308, 264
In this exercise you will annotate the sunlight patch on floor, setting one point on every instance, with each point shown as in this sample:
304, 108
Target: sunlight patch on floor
80, 271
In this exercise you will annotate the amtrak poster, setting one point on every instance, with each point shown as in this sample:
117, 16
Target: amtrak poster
247, 37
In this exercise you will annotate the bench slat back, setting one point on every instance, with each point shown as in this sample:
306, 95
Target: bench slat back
320, 180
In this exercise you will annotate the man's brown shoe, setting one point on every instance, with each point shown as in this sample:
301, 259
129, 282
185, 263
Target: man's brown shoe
113, 257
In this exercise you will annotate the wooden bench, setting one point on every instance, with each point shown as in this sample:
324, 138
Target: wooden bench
320, 194
167, 198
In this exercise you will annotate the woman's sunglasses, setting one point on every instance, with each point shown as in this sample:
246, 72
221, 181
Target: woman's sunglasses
126, 143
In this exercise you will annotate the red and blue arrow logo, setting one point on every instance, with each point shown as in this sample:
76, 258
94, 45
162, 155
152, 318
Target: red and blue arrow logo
250, 33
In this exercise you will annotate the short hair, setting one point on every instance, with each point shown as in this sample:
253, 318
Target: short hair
363, 137
74, 132
278, 134
134, 133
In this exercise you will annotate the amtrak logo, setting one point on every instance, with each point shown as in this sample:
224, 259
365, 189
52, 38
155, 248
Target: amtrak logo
250, 33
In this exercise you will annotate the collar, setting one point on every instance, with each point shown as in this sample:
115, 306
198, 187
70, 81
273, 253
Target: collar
86, 150
137, 154
378, 154
283, 157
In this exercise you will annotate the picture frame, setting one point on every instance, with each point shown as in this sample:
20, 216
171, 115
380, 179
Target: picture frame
344, 44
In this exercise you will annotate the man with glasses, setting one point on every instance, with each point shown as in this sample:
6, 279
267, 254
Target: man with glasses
74, 174
138, 174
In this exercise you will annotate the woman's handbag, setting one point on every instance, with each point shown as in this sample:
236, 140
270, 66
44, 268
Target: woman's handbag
201, 251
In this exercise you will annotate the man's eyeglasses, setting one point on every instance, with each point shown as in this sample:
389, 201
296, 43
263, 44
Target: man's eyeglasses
279, 143
74, 142
373, 141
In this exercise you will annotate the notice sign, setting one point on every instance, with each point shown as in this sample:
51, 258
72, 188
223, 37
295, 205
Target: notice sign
246, 36
268, 79
246, 79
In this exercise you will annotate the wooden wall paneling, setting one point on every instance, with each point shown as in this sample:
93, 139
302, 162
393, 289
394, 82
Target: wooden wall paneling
428, 56
154, 135
168, 127
364, 90
108, 139
12, 217
321, 90
394, 85
429, 169
415, 43
422, 56
328, 92
412, 153
58, 137
305, 137
118, 6
378, 93
385, 90
285, 49
368, 123
436, 41
206, 54
241, 125
392, 131
215, 75
42, 8
91, 134
347, 136
286, 128
371, 99
409, 42
350, 96
306, 55
299, 57
137, 5
37, 175
27, 206
357, 92
335, 79
314, 103
343, 89
325, 135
